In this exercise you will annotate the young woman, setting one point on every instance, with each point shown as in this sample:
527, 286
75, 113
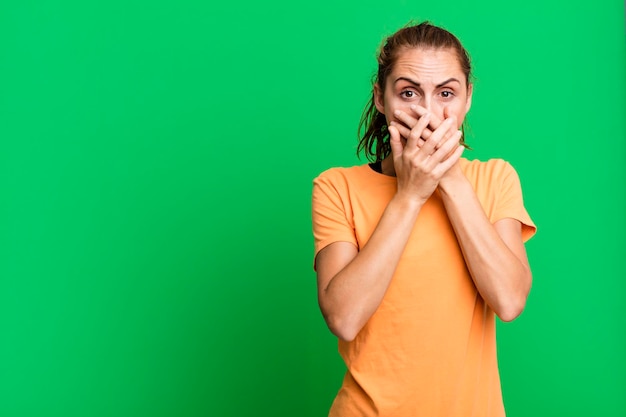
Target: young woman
418, 251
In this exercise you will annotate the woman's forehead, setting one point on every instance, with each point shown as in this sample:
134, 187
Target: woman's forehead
430, 64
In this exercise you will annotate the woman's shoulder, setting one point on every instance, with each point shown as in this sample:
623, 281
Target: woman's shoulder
345, 174
355, 179
344, 170
491, 168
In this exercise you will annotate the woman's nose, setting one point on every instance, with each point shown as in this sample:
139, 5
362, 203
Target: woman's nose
427, 104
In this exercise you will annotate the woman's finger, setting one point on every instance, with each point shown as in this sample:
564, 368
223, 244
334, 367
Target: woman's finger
446, 115
445, 151
414, 137
419, 111
448, 163
447, 130
405, 118
450, 144
414, 127
405, 132
394, 142
438, 137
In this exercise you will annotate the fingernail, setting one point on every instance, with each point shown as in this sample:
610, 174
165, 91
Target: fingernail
397, 112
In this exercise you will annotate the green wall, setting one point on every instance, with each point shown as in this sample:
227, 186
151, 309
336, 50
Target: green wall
156, 161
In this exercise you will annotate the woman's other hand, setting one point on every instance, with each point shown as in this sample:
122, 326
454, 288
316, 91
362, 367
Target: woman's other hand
419, 162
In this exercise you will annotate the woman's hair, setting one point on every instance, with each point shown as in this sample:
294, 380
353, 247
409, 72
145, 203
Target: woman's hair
372, 132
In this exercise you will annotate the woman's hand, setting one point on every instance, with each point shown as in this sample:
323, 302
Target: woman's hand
409, 121
423, 154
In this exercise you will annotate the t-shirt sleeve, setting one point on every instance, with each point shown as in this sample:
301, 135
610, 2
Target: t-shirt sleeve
331, 211
510, 203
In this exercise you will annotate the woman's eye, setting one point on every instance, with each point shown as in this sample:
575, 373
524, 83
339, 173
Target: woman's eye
447, 94
408, 94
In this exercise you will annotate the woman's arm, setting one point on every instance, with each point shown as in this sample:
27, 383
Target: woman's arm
351, 283
494, 253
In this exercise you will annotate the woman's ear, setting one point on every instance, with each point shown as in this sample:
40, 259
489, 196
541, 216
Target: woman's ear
468, 102
379, 100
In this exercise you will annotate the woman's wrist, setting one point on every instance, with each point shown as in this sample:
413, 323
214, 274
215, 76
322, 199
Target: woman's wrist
407, 202
453, 180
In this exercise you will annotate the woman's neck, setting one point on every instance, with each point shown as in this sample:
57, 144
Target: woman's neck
387, 167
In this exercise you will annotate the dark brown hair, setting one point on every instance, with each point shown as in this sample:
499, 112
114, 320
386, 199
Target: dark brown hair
372, 132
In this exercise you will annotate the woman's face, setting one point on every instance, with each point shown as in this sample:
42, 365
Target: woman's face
431, 78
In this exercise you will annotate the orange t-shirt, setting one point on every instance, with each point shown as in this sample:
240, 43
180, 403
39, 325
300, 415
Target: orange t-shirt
430, 347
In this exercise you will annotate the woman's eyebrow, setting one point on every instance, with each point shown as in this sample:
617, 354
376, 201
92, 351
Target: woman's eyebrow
408, 80
449, 80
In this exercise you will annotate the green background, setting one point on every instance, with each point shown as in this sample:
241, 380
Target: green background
156, 161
